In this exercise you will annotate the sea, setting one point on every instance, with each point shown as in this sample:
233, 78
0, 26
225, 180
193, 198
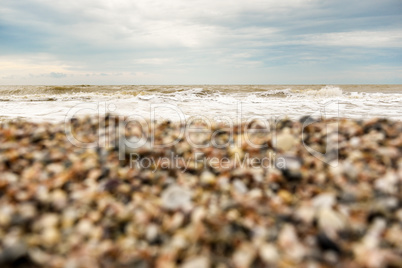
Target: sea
227, 103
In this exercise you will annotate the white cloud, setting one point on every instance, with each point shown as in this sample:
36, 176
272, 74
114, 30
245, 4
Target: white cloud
370, 39
174, 39
34, 64
153, 61
154, 23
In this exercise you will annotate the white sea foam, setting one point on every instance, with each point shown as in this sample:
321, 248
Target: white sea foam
325, 92
234, 102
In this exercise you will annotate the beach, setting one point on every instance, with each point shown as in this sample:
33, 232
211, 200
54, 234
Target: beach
111, 191
197, 134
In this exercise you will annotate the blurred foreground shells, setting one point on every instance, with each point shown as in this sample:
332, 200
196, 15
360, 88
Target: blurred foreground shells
263, 200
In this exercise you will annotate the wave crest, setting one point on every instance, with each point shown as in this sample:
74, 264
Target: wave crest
326, 92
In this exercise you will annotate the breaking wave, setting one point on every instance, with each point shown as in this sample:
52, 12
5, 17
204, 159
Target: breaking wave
326, 92
209, 100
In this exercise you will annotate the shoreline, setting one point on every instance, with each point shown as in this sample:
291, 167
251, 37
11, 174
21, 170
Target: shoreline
333, 200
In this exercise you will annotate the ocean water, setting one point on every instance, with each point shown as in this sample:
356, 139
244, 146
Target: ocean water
217, 102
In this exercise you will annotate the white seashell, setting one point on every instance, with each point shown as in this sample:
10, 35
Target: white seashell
51, 236
330, 220
355, 142
152, 232
197, 262
289, 242
49, 220
324, 200
240, 187
84, 227
387, 184
269, 253
244, 255
176, 197
207, 177
306, 213
285, 141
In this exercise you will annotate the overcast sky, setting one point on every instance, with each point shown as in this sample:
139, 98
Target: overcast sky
200, 42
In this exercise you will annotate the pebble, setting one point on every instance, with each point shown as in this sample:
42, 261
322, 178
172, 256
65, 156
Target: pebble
326, 243
65, 206
290, 167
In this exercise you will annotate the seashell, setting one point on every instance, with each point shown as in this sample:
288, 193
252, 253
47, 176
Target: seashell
68, 217
289, 242
324, 200
285, 196
196, 262
50, 236
49, 220
84, 227
355, 142
244, 255
39, 256
394, 235
9, 177
399, 215
207, 178
198, 214
27, 210
151, 233
6, 213
372, 238
349, 170
240, 187
179, 241
13, 247
306, 213
330, 220
287, 237
223, 183
387, 184
255, 194
236, 152
55, 168
269, 254
176, 197
284, 141
65, 206
59, 198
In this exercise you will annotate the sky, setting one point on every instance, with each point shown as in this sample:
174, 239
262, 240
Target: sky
54, 42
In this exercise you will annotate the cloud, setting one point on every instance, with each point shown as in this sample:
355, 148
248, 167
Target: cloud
32, 63
153, 61
170, 39
57, 75
371, 39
